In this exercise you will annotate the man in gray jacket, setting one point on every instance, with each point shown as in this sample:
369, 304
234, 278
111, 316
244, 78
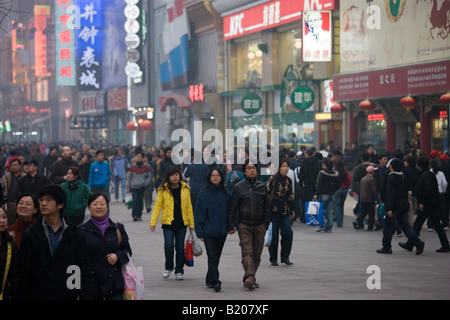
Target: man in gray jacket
139, 176
368, 196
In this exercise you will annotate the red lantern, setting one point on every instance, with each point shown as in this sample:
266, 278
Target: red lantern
408, 103
337, 108
445, 98
132, 126
366, 105
146, 125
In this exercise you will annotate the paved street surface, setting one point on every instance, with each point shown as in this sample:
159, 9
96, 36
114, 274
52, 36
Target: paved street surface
326, 266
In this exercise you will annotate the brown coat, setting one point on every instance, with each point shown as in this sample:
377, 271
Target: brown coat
368, 189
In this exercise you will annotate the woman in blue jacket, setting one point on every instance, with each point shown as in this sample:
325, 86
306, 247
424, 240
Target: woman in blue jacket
210, 218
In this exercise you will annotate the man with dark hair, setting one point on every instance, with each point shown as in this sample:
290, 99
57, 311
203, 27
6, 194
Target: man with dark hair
54, 258
33, 181
427, 193
307, 178
249, 210
396, 207
99, 174
61, 167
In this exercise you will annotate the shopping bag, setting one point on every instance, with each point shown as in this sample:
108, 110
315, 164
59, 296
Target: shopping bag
128, 200
380, 212
196, 246
133, 282
188, 253
314, 213
268, 236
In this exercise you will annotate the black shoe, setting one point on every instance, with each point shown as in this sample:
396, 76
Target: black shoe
384, 251
419, 247
217, 287
406, 246
149, 209
209, 285
274, 263
356, 225
443, 249
287, 262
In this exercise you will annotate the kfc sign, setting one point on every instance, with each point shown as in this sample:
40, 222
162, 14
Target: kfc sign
269, 15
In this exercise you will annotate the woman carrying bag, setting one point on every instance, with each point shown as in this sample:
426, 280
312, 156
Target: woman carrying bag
281, 198
108, 249
211, 223
9, 262
174, 199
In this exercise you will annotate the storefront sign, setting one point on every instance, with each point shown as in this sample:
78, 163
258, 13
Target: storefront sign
317, 36
196, 93
89, 45
117, 100
251, 103
410, 80
41, 14
302, 98
65, 44
270, 15
88, 122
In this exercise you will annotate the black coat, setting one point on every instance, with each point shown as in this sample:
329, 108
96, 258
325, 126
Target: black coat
12, 280
45, 276
33, 185
427, 191
107, 278
396, 193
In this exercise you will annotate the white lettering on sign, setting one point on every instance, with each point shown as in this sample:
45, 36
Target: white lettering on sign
236, 25
312, 5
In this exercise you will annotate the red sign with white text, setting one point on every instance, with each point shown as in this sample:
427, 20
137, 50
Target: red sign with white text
396, 82
270, 15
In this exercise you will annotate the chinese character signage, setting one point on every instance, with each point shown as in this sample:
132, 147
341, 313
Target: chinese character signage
88, 122
317, 36
270, 15
196, 93
89, 45
302, 98
65, 44
251, 103
41, 14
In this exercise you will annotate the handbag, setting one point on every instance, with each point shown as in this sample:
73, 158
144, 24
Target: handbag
133, 281
8, 263
268, 236
188, 253
314, 213
196, 246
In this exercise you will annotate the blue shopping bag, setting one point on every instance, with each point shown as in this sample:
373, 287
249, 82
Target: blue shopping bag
314, 213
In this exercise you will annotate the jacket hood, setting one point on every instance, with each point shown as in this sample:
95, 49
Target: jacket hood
331, 173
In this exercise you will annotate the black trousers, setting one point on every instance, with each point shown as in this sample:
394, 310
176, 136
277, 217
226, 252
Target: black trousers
433, 213
214, 246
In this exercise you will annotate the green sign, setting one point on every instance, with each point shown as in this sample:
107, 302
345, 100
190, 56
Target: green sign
302, 98
251, 103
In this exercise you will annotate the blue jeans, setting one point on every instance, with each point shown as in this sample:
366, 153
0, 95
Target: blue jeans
174, 239
328, 202
281, 223
339, 200
118, 180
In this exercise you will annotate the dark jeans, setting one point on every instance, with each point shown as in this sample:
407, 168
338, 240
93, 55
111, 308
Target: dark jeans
433, 214
281, 223
389, 228
339, 200
214, 246
174, 240
367, 208
138, 201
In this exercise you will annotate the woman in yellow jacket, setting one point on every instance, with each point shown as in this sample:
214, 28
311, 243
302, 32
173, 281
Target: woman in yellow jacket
174, 199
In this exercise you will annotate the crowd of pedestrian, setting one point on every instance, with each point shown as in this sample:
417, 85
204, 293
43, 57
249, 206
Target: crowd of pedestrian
55, 208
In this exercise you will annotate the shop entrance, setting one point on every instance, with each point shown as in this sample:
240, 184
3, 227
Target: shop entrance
331, 131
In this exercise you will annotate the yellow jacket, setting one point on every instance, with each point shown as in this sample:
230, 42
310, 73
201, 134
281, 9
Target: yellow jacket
164, 201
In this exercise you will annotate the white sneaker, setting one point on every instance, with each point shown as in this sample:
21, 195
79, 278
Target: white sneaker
179, 276
167, 273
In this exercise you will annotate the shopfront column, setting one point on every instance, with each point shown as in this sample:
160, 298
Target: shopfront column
425, 130
390, 135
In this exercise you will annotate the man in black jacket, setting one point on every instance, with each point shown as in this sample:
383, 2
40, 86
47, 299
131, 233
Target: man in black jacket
54, 257
249, 210
307, 178
33, 181
396, 207
61, 167
427, 193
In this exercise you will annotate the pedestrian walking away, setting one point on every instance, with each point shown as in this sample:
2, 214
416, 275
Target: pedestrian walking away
139, 177
210, 216
173, 204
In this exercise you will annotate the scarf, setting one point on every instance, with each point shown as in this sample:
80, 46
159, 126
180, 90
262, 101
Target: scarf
101, 223
72, 185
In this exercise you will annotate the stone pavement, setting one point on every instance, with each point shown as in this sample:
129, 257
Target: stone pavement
326, 266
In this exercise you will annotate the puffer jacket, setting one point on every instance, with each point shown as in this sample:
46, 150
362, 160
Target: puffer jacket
164, 201
327, 182
139, 176
249, 204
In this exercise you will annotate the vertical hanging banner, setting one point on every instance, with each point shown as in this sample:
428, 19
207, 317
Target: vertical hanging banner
317, 36
89, 45
65, 44
41, 14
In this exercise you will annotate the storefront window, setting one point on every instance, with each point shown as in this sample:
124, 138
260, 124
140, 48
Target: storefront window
290, 49
373, 130
439, 130
249, 64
